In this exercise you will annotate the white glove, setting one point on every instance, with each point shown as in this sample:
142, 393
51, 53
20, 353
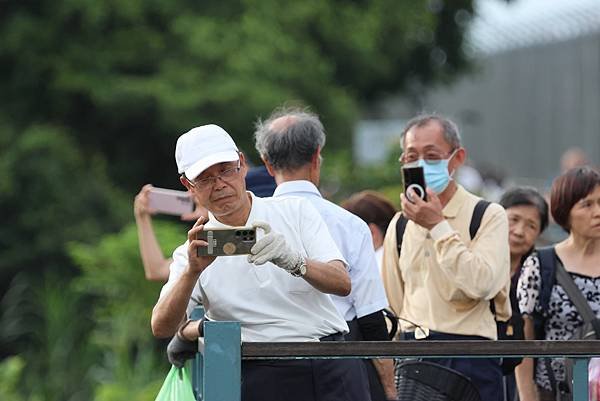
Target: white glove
273, 248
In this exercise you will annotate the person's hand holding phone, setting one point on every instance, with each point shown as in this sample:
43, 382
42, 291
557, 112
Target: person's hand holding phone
197, 264
425, 213
141, 206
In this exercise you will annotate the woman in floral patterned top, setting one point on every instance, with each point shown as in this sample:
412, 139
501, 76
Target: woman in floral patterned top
575, 206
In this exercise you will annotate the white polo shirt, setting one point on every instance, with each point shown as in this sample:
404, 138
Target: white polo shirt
353, 238
271, 304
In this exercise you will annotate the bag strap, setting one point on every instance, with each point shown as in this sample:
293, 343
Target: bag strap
547, 258
476, 218
574, 293
478, 212
400, 228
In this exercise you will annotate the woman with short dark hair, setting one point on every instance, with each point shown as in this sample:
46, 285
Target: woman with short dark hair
575, 206
527, 213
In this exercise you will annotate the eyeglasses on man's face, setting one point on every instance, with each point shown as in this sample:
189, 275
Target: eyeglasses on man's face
430, 157
208, 182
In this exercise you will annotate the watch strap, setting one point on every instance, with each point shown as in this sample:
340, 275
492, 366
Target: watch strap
299, 269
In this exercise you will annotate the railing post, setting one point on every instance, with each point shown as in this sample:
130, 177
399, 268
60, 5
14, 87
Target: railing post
197, 376
222, 361
197, 362
580, 379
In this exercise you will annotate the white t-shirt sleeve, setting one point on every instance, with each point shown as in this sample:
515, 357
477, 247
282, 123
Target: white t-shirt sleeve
315, 236
176, 269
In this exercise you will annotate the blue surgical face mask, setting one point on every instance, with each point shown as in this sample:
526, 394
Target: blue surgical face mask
436, 173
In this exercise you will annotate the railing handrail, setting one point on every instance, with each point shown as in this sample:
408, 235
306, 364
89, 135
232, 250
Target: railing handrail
217, 373
387, 349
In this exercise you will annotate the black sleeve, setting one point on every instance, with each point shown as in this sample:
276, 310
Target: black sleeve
373, 327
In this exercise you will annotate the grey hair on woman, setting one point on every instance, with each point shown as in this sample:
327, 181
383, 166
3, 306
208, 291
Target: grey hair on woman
289, 138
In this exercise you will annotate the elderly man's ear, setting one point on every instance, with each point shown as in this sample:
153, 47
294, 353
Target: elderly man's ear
269, 167
185, 182
316, 158
243, 164
458, 160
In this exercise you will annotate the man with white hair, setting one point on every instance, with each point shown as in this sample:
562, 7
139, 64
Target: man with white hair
290, 143
278, 292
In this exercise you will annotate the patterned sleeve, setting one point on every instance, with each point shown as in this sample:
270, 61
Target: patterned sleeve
528, 288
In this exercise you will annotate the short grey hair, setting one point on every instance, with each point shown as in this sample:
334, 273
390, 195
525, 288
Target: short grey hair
449, 128
292, 145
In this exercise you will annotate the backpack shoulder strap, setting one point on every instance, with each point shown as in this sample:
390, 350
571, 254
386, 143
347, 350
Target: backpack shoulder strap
400, 228
574, 293
478, 212
547, 258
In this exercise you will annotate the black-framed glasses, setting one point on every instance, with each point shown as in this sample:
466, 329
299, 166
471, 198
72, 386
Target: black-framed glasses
208, 182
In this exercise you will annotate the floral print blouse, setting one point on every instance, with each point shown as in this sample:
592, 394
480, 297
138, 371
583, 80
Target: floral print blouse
563, 319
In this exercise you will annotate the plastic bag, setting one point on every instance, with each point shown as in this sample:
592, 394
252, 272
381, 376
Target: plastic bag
594, 379
177, 387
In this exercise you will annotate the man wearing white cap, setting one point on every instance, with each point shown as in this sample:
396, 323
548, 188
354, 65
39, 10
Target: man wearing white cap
278, 292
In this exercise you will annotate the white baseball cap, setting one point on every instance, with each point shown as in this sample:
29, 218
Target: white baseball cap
202, 147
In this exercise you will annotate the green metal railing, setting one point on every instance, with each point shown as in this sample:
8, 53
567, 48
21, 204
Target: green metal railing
217, 367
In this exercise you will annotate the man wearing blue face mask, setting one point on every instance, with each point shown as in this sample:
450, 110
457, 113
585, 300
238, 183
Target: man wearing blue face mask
440, 281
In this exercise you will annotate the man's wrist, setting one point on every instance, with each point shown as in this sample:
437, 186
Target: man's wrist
194, 271
142, 217
181, 331
299, 268
191, 330
440, 230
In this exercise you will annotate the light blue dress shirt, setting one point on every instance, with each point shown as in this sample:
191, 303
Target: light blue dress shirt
353, 238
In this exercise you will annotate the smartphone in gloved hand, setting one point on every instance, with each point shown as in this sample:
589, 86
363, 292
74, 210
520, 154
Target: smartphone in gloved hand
227, 241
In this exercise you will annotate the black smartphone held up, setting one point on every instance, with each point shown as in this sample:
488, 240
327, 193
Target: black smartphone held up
227, 241
414, 179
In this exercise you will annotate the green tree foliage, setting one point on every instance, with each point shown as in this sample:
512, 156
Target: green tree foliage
131, 364
129, 77
339, 179
50, 194
11, 371
54, 325
90, 338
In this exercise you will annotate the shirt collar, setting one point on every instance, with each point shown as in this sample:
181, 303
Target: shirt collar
291, 187
453, 206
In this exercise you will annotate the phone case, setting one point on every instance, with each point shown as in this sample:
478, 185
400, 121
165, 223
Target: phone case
227, 241
414, 179
169, 201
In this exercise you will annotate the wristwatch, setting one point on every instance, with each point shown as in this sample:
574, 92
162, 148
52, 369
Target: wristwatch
300, 269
